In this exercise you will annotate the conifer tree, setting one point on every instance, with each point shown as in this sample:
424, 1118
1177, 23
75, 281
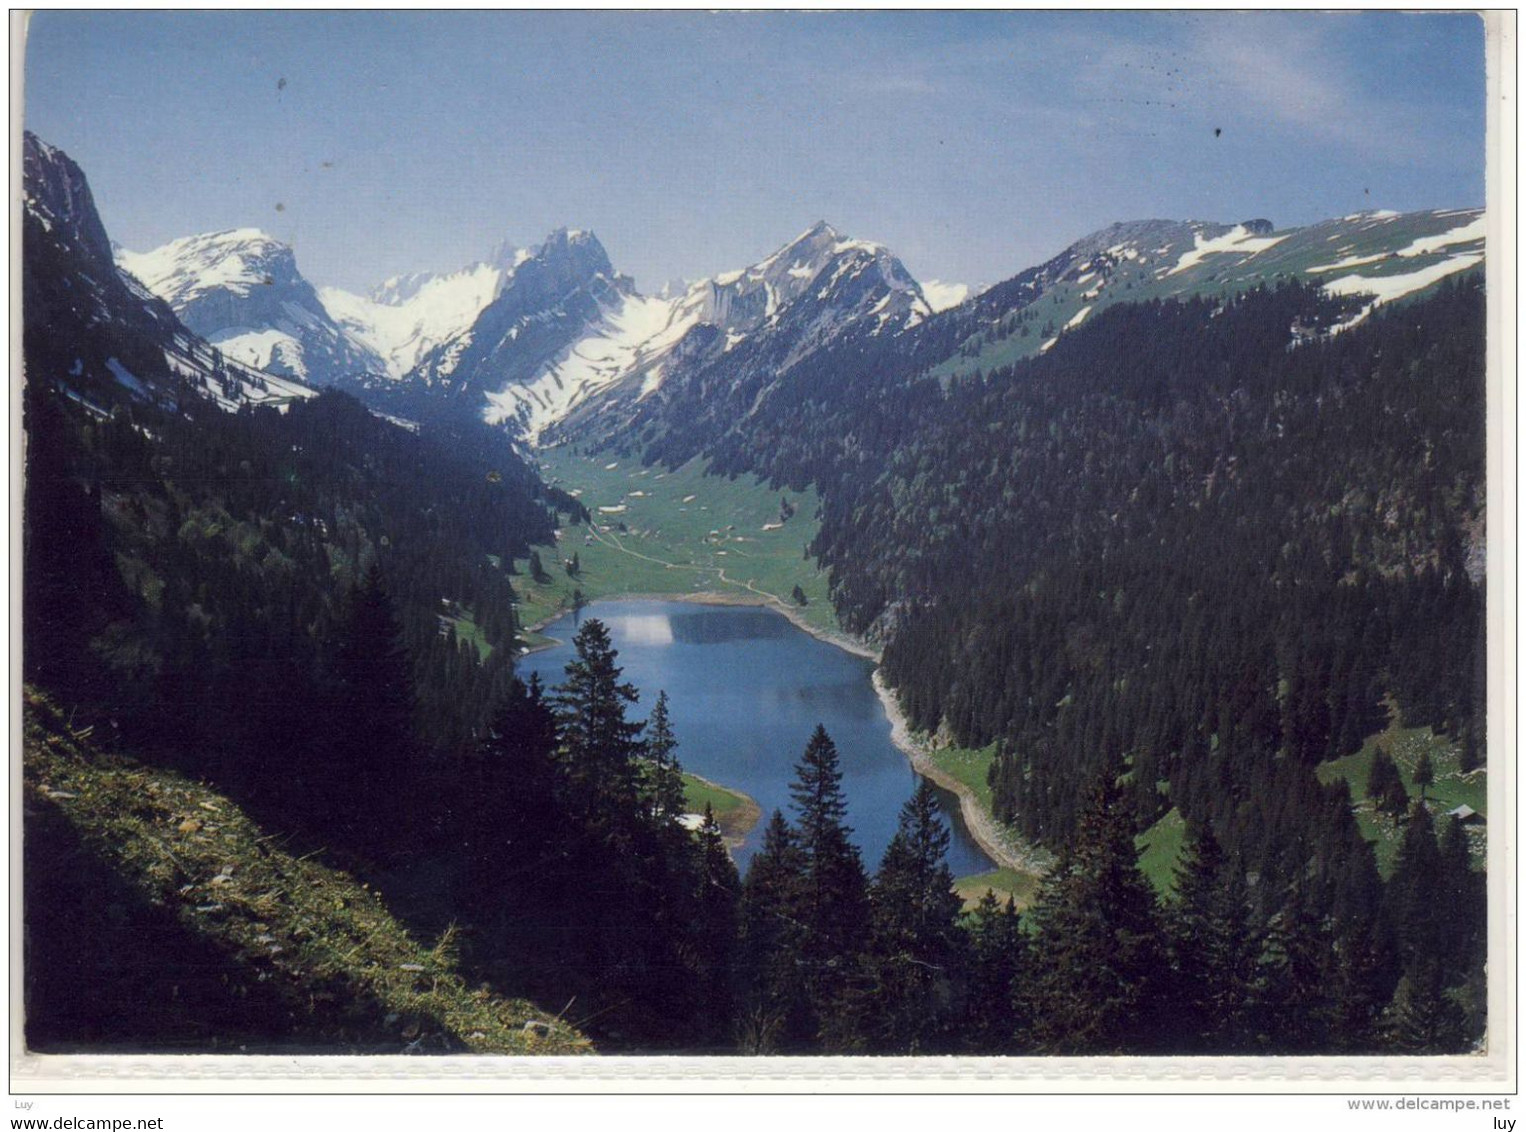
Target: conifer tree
1464, 895
600, 745
1414, 895
1293, 990
634, 919
513, 822
833, 903
1359, 980
1385, 786
834, 900
1471, 757
1425, 773
664, 784
774, 1016
716, 933
1380, 774
1214, 957
915, 960
1422, 1019
373, 776
1098, 956
996, 951
537, 569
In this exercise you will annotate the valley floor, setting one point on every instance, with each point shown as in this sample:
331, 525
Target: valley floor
683, 535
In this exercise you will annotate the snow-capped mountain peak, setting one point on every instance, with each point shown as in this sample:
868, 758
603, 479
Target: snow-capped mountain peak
526, 335
405, 317
237, 260
564, 333
97, 332
739, 301
241, 290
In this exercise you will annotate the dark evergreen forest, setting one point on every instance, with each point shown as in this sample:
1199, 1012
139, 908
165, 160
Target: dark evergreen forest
1179, 561
1171, 562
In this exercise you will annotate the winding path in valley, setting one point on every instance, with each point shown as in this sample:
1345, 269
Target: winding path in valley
998, 843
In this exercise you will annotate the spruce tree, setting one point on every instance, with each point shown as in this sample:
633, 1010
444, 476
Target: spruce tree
600, 746
1464, 895
634, 918
1425, 773
1471, 757
1380, 774
537, 569
1293, 1001
1414, 894
1422, 1019
1213, 954
664, 785
373, 781
716, 934
1359, 979
1098, 956
995, 965
914, 966
774, 1016
834, 904
514, 830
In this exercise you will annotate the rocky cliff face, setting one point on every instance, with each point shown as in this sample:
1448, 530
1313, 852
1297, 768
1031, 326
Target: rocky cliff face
97, 334
243, 292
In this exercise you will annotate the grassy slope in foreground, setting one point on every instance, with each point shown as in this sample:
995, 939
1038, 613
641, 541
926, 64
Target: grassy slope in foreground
159, 916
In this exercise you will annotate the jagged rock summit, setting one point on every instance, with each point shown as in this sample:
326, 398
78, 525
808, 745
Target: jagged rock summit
96, 332
242, 291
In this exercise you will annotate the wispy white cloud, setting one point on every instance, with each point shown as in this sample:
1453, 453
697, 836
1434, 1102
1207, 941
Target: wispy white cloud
1283, 72
1286, 69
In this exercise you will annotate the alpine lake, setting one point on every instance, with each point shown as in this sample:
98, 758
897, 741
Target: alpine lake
746, 688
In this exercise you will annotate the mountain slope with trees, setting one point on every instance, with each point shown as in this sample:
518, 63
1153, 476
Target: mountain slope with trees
1199, 547
1176, 561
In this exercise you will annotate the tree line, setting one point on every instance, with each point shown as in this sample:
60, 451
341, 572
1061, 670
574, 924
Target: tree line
811, 952
1176, 551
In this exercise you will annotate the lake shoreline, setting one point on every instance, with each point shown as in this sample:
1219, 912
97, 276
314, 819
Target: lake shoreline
736, 827
999, 845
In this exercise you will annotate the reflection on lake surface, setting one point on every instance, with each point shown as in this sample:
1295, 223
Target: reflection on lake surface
644, 629
746, 689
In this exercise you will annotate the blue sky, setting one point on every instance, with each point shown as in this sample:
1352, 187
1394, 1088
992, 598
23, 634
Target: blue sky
974, 144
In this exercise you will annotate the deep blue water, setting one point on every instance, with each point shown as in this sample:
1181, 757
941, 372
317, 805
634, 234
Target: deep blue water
746, 689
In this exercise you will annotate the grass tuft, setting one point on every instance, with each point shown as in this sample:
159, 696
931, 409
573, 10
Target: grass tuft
208, 907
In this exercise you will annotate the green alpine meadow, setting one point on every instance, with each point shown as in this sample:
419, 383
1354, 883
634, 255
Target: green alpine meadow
447, 631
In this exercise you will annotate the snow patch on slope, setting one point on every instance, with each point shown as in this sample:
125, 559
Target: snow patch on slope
631, 332
941, 296
420, 317
267, 349
1387, 288
1467, 234
1237, 240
